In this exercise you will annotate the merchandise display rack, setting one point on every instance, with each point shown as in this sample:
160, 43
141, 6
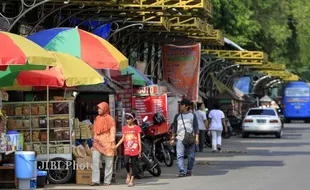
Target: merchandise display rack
47, 130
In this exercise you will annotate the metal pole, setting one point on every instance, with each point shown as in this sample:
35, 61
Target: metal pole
48, 124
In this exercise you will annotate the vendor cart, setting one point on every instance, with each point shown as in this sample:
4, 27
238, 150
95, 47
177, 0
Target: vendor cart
47, 130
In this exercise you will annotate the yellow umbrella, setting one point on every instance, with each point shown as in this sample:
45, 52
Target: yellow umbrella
70, 71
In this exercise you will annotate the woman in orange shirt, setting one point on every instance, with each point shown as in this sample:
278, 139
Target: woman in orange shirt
104, 144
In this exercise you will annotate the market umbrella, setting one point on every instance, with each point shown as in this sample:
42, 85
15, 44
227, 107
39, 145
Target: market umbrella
70, 71
94, 50
22, 54
138, 78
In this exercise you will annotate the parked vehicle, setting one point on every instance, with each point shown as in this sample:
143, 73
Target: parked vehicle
164, 152
262, 121
296, 101
148, 161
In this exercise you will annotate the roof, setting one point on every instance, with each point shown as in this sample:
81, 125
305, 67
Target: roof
227, 94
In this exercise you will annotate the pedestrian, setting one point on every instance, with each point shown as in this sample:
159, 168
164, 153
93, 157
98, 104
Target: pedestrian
132, 147
103, 145
202, 125
216, 125
185, 131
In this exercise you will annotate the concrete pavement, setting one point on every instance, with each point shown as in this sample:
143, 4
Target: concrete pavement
257, 163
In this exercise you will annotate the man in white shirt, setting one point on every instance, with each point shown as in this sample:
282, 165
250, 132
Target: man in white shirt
202, 125
216, 125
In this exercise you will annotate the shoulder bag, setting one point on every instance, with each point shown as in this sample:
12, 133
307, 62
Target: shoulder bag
189, 138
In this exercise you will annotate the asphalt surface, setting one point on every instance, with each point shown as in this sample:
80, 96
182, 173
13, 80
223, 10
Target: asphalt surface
256, 163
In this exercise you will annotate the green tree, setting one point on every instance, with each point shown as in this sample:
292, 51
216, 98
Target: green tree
281, 28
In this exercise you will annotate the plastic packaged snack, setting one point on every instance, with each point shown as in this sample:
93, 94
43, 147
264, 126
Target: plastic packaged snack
34, 109
42, 123
65, 135
35, 136
65, 122
43, 136
19, 124
35, 123
57, 123
26, 123
26, 110
42, 109
18, 110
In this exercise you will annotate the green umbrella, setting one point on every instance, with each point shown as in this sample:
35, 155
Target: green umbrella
27, 67
138, 78
7, 78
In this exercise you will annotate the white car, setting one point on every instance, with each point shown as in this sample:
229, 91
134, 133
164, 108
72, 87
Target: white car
262, 121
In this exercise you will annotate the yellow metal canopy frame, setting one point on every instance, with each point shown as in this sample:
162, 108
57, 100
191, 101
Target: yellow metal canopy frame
269, 67
284, 75
240, 57
185, 17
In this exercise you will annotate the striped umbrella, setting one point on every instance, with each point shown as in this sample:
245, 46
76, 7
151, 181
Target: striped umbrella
138, 78
70, 71
22, 54
92, 49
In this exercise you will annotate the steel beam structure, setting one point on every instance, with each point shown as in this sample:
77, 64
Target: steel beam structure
284, 75
216, 38
268, 66
191, 5
240, 57
192, 25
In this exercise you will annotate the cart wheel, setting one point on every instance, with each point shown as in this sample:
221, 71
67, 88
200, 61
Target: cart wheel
62, 173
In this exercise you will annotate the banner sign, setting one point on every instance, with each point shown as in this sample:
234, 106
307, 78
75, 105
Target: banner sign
126, 95
150, 90
123, 99
181, 66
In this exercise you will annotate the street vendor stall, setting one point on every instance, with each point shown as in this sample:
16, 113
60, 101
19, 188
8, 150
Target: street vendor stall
46, 127
149, 100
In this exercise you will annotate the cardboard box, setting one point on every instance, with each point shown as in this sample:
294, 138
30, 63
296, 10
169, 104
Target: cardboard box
83, 163
83, 177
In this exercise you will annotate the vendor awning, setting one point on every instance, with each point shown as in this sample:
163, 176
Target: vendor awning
228, 94
110, 86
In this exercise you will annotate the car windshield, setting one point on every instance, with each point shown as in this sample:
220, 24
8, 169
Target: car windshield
262, 112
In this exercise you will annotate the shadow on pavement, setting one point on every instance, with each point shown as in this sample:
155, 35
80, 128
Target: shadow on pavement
276, 144
222, 167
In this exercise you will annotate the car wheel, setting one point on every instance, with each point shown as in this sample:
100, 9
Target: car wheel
245, 135
279, 134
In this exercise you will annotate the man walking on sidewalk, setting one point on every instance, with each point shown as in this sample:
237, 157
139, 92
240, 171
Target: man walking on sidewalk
185, 122
202, 124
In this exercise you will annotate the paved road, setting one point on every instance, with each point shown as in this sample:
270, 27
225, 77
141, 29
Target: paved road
257, 163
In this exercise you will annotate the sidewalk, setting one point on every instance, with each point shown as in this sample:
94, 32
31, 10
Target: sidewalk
204, 161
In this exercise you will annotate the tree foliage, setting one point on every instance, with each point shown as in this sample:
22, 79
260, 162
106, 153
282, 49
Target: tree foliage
281, 28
